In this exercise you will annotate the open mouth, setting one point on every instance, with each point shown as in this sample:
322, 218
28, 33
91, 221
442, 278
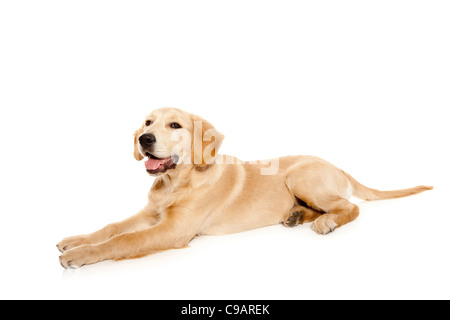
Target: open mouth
156, 165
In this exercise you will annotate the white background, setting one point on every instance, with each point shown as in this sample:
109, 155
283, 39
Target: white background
362, 84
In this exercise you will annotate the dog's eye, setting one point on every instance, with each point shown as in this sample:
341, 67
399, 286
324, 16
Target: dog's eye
175, 125
148, 122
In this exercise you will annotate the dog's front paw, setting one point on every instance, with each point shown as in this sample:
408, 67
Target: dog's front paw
324, 224
78, 257
72, 242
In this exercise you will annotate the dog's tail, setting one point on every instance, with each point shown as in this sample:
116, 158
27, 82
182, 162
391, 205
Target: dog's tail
366, 193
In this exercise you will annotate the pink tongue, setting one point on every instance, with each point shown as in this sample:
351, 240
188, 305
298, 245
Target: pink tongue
153, 164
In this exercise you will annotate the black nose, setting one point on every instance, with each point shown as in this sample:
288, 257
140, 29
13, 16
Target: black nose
147, 139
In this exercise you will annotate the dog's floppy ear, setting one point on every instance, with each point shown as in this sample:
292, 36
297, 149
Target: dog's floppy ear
206, 141
137, 155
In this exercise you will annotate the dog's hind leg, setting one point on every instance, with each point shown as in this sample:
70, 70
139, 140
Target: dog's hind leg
339, 212
323, 188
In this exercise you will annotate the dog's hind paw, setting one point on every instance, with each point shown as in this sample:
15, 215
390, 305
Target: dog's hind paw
294, 219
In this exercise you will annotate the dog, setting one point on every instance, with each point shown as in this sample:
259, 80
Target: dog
196, 192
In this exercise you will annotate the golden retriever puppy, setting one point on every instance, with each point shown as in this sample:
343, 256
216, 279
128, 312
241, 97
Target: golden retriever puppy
197, 191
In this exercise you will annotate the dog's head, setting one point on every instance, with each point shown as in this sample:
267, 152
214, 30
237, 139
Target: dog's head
170, 137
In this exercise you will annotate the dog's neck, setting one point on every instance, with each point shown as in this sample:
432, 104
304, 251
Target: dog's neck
182, 180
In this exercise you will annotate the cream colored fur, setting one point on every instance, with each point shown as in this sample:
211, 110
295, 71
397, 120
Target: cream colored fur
203, 197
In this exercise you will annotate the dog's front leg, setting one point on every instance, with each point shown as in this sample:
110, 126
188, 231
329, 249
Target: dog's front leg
142, 220
169, 233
